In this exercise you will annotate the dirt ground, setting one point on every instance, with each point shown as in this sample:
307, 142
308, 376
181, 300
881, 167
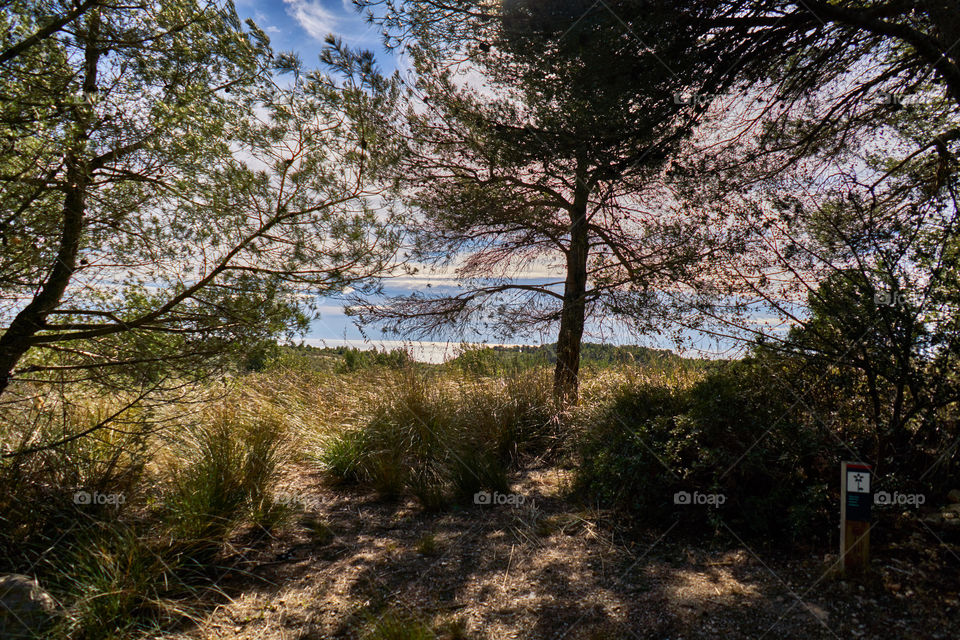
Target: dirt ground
545, 570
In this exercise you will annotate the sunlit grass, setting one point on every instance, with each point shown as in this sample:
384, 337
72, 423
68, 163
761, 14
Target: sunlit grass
193, 476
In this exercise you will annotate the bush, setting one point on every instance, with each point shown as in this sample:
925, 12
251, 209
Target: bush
130, 566
119, 582
37, 489
357, 359
735, 433
261, 356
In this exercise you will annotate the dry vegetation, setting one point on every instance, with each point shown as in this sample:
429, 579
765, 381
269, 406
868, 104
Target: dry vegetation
309, 501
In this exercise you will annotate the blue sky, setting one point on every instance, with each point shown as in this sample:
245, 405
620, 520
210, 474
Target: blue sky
302, 25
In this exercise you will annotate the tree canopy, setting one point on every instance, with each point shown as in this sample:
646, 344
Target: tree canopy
166, 198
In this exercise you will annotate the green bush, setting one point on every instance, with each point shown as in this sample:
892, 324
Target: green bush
473, 470
119, 582
344, 455
735, 433
37, 490
261, 356
357, 359
130, 575
188, 480
229, 462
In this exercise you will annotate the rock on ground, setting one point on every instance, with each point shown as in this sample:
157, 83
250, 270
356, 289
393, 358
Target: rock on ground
25, 608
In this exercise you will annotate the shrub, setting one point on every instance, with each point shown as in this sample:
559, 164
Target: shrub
261, 356
118, 582
473, 470
37, 489
344, 455
128, 567
735, 433
357, 359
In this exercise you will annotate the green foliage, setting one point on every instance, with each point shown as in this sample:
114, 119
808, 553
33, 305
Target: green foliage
120, 583
734, 433
491, 361
568, 129
150, 250
474, 469
345, 454
261, 356
505, 361
37, 490
140, 564
339, 359
767, 433
427, 545
355, 359
895, 353
228, 465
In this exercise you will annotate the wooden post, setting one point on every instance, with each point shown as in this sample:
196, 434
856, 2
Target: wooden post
856, 498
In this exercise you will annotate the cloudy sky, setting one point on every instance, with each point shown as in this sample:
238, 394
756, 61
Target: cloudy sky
302, 25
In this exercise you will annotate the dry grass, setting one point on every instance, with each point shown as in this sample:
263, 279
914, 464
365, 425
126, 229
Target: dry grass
124, 525
201, 479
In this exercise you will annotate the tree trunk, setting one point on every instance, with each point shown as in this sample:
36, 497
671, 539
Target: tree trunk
566, 378
16, 340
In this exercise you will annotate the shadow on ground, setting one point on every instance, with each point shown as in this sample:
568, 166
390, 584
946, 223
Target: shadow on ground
547, 569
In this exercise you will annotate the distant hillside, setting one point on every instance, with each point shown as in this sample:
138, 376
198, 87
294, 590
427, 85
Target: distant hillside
485, 359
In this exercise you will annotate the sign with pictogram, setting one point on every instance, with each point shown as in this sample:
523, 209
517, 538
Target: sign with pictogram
856, 497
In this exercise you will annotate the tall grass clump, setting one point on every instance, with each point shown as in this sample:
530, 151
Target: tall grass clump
180, 486
38, 487
225, 468
443, 438
119, 583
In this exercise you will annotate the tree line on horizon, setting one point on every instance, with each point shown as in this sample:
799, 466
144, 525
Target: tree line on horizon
525, 356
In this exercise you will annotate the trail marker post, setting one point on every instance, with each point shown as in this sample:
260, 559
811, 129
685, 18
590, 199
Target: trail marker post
856, 498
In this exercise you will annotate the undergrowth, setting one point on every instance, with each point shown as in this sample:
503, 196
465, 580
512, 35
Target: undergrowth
443, 439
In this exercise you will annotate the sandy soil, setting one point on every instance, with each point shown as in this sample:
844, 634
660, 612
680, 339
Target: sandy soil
547, 569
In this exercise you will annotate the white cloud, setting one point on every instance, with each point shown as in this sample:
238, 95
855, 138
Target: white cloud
315, 19
264, 23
